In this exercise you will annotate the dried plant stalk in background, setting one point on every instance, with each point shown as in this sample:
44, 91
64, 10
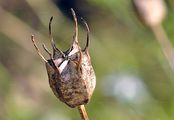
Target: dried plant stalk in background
152, 13
71, 75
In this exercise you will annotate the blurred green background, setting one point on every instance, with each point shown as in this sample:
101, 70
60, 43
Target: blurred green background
134, 79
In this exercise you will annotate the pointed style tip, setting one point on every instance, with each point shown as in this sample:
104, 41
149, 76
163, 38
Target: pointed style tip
85, 23
51, 18
72, 10
32, 36
74, 14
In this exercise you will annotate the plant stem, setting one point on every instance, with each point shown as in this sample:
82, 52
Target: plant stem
165, 44
83, 112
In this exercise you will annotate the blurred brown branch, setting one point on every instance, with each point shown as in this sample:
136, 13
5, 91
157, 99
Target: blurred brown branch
165, 44
9, 21
152, 13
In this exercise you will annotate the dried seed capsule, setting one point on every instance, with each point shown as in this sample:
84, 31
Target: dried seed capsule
150, 12
71, 75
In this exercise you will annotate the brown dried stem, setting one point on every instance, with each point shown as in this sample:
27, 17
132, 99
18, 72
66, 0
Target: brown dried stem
83, 112
165, 44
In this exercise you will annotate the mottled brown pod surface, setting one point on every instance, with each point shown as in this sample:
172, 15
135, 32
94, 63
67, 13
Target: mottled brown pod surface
71, 75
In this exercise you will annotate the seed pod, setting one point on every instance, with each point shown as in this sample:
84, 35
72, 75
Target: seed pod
70, 73
150, 12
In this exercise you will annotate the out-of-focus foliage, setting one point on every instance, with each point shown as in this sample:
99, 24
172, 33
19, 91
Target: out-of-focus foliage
134, 80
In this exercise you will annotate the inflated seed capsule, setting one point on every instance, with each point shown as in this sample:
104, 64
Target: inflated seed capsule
70, 73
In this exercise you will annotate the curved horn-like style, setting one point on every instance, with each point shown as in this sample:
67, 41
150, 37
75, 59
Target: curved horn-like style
56, 52
46, 49
88, 31
75, 37
37, 49
75, 45
50, 33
